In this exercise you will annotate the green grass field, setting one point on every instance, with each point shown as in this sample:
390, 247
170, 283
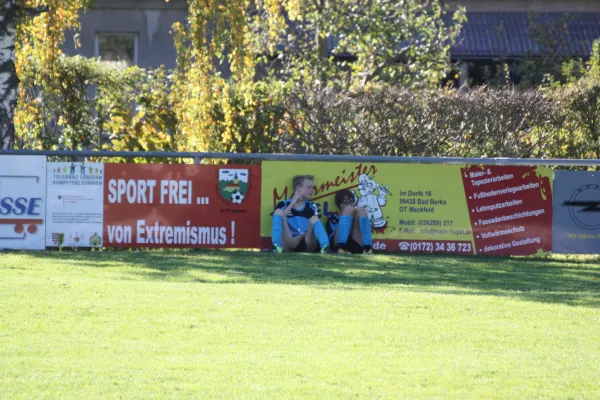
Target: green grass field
160, 324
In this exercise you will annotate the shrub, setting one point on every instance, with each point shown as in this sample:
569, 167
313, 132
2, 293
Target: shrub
483, 122
85, 104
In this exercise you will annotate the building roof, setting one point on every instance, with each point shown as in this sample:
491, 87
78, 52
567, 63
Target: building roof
518, 34
514, 35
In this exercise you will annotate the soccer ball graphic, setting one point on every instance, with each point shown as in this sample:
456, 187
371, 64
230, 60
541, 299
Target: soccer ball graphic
237, 197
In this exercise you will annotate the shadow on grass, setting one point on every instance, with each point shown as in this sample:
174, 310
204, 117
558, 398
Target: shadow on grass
573, 282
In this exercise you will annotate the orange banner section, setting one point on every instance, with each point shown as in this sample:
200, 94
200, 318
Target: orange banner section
200, 206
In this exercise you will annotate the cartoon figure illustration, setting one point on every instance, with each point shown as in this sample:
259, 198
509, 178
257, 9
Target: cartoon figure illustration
370, 201
82, 169
72, 168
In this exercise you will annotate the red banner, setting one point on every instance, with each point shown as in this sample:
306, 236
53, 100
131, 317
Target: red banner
510, 209
203, 206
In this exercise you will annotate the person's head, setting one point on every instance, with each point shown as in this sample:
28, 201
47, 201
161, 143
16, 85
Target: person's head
303, 185
344, 198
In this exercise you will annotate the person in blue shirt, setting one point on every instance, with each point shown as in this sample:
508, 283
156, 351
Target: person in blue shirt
350, 232
295, 224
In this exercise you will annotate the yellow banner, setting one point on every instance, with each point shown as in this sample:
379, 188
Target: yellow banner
404, 201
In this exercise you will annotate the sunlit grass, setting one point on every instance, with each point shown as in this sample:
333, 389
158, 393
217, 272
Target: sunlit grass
243, 324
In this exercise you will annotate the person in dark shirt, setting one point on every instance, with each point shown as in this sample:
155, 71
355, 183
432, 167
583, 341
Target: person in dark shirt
296, 225
350, 232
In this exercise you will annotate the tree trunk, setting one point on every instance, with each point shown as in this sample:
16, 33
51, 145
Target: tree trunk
9, 82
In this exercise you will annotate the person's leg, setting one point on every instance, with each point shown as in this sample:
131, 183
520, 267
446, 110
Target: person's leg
344, 228
345, 225
316, 235
280, 231
277, 228
355, 233
363, 233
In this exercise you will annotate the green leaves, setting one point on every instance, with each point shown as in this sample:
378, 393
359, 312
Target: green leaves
403, 42
86, 104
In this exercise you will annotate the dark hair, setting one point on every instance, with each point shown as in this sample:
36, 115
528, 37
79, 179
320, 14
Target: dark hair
299, 180
343, 194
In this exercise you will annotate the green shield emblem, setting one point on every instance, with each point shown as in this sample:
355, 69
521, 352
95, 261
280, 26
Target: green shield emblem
233, 184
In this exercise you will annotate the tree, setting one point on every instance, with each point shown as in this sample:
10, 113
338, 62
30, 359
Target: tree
236, 60
271, 46
214, 112
31, 31
404, 42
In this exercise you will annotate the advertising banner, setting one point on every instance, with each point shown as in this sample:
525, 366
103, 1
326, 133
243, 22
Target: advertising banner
204, 206
510, 208
576, 225
22, 202
430, 208
74, 204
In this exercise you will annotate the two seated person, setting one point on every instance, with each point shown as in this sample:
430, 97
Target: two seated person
296, 226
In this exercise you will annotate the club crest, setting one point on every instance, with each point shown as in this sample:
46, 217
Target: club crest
233, 184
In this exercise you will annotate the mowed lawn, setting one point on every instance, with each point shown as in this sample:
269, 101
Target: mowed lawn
160, 324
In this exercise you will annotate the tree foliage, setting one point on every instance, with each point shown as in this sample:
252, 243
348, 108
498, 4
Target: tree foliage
35, 30
235, 61
207, 104
354, 42
294, 76
88, 103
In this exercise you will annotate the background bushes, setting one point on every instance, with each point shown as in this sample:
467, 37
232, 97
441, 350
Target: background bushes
88, 105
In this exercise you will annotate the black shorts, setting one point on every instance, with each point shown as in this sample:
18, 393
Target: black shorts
353, 247
300, 248
303, 248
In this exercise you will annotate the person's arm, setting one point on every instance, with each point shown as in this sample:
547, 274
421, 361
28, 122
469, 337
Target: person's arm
293, 202
296, 240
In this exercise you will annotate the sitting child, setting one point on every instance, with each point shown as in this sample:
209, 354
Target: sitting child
351, 231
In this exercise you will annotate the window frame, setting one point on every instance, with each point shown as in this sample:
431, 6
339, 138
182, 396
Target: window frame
130, 34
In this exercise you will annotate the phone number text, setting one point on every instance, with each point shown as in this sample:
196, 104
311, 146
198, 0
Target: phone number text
418, 246
435, 222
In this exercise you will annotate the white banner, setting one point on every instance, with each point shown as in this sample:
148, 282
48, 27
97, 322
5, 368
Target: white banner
75, 204
22, 202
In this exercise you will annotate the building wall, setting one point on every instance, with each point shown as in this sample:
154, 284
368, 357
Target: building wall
150, 20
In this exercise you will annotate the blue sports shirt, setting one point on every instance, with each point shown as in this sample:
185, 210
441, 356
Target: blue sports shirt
298, 218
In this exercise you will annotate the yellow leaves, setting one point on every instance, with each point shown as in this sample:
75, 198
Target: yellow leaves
208, 106
40, 38
224, 114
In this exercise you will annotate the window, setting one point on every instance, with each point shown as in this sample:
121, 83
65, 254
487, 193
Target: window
118, 49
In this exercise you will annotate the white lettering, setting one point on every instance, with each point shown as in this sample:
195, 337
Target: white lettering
136, 191
184, 234
119, 234
140, 231
112, 191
